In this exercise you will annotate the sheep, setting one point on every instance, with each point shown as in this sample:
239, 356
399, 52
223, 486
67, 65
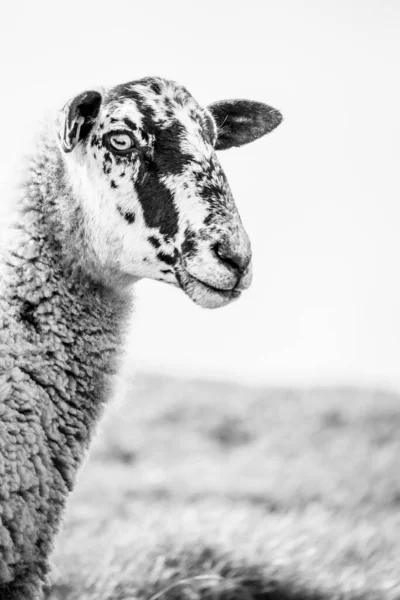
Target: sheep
124, 184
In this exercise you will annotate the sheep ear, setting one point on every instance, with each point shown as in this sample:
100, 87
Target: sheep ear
77, 118
242, 121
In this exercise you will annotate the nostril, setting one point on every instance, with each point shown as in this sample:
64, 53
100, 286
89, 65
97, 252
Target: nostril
236, 260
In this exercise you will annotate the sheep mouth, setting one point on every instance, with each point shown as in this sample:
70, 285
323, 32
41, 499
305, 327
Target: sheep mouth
203, 293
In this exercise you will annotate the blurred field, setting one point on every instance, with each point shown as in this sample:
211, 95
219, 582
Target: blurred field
199, 489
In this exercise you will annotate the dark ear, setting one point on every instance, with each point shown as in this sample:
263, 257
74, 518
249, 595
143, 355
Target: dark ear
242, 121
77, 118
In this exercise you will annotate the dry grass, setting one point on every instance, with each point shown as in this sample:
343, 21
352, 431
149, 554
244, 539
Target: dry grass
207, 490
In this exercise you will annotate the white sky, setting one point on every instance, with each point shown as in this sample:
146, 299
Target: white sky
319, 196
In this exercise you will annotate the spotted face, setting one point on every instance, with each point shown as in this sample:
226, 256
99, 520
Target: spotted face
142, 161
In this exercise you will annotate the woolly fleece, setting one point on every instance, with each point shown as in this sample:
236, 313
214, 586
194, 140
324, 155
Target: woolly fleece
60, 329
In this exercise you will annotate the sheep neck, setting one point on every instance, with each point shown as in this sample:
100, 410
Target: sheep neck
60, 332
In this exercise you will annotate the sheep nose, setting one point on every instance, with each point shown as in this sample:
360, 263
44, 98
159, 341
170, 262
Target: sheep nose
230, 256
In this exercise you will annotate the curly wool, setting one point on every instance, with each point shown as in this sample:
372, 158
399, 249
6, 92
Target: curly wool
60, 330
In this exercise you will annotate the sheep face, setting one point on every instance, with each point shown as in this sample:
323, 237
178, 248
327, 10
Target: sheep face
142, 161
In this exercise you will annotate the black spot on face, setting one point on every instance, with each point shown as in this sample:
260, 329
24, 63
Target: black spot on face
211, 192
170, 159
189, 245
129, 216
130, 123
113, 184
167, 258
158, 206
154, 241
107, 163
209, 218
155, 87
96, 142
213, 188
146, 137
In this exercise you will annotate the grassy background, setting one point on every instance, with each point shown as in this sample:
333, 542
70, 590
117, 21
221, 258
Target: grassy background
199, 489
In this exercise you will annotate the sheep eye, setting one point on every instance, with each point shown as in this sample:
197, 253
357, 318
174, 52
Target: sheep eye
121, 143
